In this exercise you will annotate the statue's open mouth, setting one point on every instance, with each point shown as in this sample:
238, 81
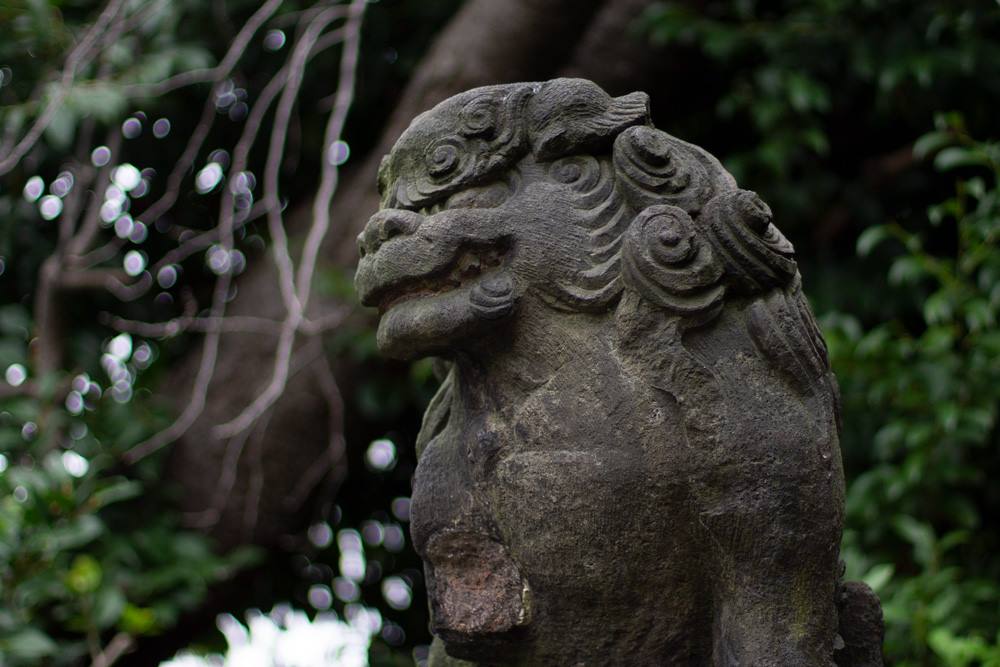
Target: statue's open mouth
469, 266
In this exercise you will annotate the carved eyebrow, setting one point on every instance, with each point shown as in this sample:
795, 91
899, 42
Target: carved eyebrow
398, 199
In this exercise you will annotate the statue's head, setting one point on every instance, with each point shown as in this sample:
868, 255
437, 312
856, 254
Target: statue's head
530, 193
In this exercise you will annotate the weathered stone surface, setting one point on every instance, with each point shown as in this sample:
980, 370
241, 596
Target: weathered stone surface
633, 457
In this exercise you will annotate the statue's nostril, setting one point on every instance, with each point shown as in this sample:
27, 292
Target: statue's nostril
393, 226
384, 226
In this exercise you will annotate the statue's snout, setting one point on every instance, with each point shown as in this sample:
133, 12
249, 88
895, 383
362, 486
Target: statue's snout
385, 225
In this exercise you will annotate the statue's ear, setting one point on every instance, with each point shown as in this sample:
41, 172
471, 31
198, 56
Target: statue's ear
569, 116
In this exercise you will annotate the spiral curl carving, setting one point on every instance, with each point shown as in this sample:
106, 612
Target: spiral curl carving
583, 173
756, 256
655, 168
479, 117
493, 298
667, 262
489, 138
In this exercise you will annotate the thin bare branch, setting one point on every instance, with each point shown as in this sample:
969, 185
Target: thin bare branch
119, 645
100, 255
210, 74
179, 325
227, 478
206, 368
330, 172
328, 321
205, 239
28, 388
91, 225
317, 231
166, 201
276, 151
210, 346
336, 446
114, 281
79, 53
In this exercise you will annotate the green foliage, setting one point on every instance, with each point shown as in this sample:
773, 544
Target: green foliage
92, 548
921, 399
86, 551
802, 91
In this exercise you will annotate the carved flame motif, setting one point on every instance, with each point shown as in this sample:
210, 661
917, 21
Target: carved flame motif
756, 255
602, 211
668, 263
784, 330
577, 116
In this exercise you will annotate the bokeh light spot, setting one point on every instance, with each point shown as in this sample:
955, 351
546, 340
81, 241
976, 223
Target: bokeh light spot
161, 128
50, 207
167, 277
120, 347
131, 128
381, 455
274, 40
393, 634
29, 430
338, 152
397, 593
34, 188
124, 226
134, 262
401, 508
346, 590
139, 233
372, 532
321, 535
15, 375
320, 597
74, 402
126, 176
394, 539
208, 177
100, 156
62, 185
75, 465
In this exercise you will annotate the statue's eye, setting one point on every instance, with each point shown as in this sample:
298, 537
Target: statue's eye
442, 159
485, 196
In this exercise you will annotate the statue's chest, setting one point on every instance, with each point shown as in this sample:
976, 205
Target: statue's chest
571, 482
576, 468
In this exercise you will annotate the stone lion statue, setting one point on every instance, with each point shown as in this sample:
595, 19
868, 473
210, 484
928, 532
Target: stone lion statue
633, 457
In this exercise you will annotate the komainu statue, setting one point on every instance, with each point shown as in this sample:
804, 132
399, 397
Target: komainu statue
633, 457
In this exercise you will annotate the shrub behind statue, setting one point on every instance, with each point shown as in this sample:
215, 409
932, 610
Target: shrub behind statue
633, 458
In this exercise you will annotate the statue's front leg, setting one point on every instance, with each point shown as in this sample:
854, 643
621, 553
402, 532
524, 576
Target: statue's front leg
775, 592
